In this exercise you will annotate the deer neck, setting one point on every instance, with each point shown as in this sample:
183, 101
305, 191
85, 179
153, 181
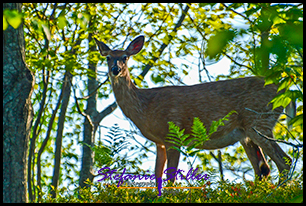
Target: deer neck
127, 97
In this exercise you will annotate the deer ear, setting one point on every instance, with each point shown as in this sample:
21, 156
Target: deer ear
135, 46
104, 49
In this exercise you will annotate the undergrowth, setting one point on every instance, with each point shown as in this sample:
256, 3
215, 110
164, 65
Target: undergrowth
211, 192
219, 192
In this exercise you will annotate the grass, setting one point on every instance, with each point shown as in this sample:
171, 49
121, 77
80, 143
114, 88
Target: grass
220, 192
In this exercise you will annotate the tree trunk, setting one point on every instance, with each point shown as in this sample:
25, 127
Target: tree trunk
18, 85
265, 28
60, 130
89, 132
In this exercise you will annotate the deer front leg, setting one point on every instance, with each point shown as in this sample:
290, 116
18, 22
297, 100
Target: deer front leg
161, 157
255, 155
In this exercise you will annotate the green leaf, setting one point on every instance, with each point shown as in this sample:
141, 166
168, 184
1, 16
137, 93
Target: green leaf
297, 120
138, 82
281, 100
61, 22
175, 142
83, 20
285, 98
198, 129
5, 24
188, 141
191, 154
217, 43
178, 149
285, 84
297, 199
157, 79
13, 17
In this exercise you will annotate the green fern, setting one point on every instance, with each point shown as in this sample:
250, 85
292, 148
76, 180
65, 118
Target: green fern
197, 138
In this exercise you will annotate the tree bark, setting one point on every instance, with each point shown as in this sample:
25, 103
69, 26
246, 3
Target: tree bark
264, 38
60, 130
18, 84
89, 129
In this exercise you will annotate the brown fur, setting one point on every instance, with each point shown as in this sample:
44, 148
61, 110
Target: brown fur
152, 109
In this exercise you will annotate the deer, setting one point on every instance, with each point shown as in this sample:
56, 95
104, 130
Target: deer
151, 110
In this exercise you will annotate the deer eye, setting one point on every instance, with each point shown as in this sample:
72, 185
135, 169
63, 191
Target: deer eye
107, 58
124, 58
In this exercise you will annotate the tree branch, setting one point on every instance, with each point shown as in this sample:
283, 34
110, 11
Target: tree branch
277, 140
232, 10
163, 46
79, 109
106, 112
95, 90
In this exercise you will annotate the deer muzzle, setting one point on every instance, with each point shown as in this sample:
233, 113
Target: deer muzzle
116, 70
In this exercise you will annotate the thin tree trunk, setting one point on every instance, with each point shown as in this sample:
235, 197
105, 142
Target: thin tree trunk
44, 143
264, 38
89, 129
18, 85
59, 136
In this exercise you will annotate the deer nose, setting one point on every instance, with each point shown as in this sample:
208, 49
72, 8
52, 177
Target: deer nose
116, 70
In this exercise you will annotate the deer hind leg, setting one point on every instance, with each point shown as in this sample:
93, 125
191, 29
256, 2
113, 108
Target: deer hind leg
161, 158
173, 157
272, 149
256, 157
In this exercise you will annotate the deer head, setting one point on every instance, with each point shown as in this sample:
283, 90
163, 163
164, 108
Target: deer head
117, 59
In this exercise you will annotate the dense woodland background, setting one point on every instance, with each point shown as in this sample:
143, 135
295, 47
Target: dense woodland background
52, 43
